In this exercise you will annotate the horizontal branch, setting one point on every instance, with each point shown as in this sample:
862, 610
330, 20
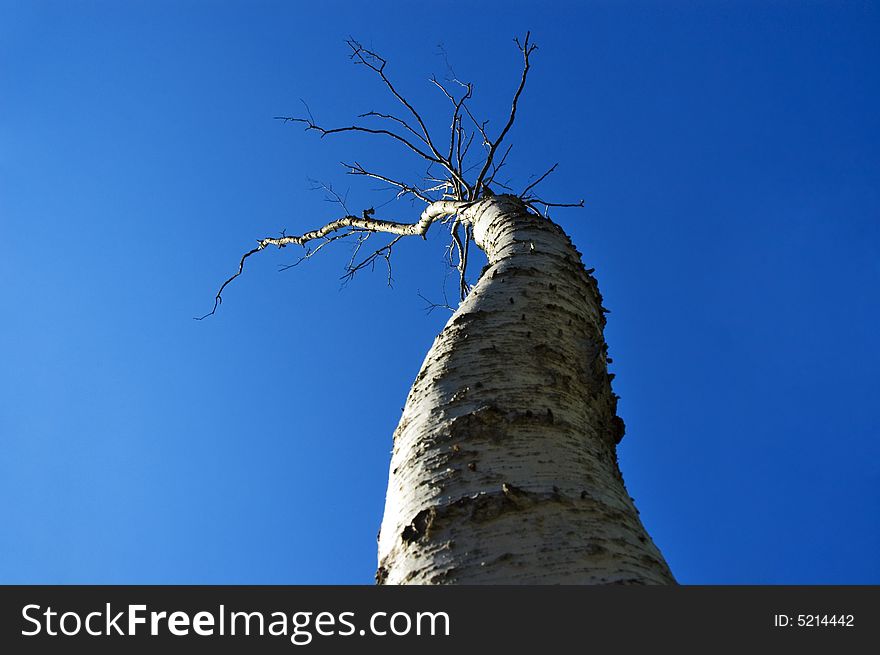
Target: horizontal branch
434, 211
579, 203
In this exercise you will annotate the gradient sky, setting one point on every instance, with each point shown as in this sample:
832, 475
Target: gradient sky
728, 156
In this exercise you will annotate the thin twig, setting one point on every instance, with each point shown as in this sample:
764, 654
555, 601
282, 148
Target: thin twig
218, 299
538, 181
431, 306
357, 169
384, 252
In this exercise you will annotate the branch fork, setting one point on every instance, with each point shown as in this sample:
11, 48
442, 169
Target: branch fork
445, 195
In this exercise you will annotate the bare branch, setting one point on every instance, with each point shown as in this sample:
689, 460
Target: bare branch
503, 185
526, 48
384, 252
357, 169
362, 239
458, 133
498, 167
441, 186
450, 186
313, 251
218, 299
374, 62
367, 57
366, 223
443, 89
311, 125
538, 181
431, 306
461, 248
400, 121
463, 153
481, 127
461, 256
455, 128
530, 202
462, 280
334, 196
580, 203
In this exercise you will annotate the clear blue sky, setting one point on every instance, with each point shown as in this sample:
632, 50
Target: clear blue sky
728, 156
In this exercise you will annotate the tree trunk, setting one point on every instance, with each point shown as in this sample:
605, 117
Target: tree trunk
504, 467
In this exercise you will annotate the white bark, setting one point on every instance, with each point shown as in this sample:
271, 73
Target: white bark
432, 212
504, 468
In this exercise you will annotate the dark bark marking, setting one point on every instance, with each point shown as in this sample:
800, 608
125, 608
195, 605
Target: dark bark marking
444, 577
618, 429
594, 549
419, 527
486, 423
468, 317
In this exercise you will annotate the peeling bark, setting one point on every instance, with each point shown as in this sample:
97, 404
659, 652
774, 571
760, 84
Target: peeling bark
504, 467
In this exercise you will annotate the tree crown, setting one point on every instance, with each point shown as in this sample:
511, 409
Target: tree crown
448, 187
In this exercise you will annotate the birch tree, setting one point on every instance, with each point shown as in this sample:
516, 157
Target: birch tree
504, 464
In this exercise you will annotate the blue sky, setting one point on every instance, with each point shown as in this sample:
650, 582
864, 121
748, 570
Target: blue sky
728, 156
